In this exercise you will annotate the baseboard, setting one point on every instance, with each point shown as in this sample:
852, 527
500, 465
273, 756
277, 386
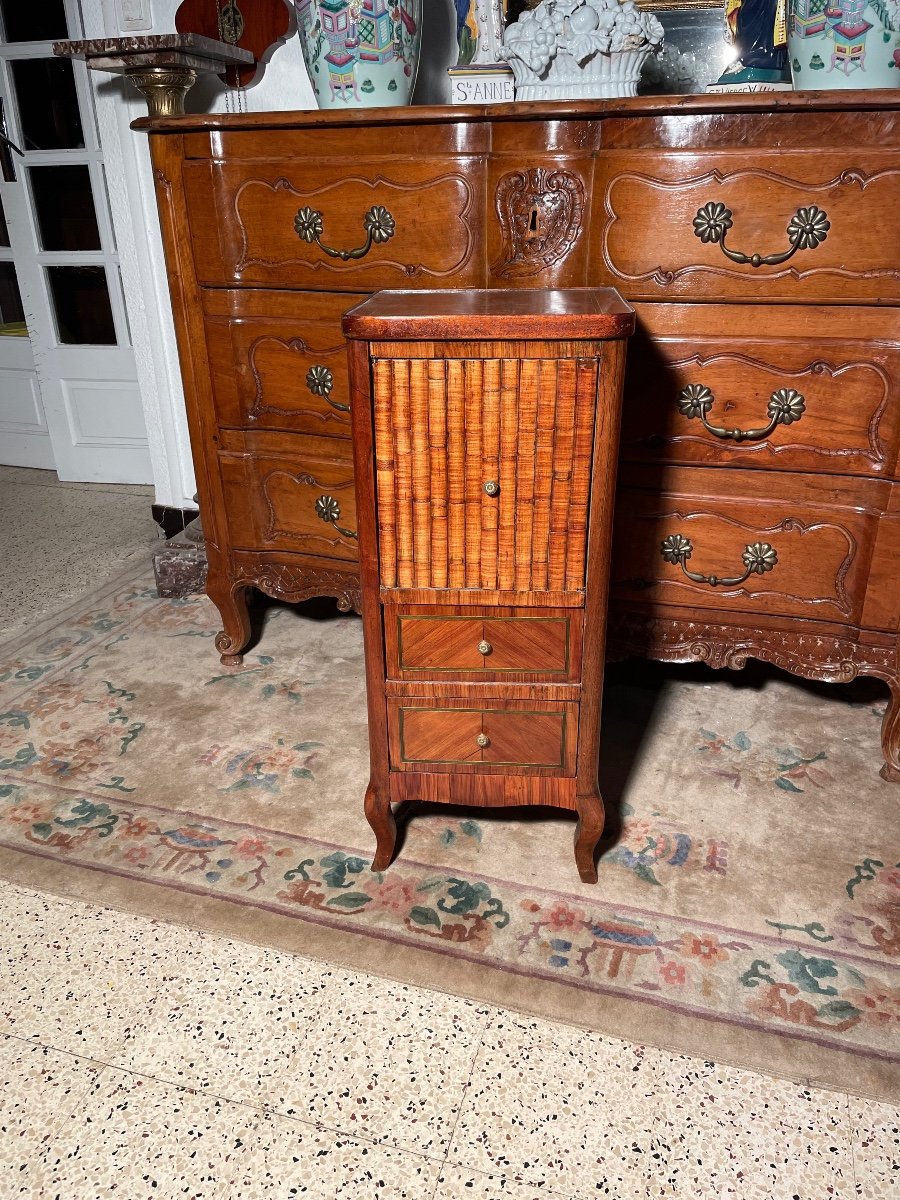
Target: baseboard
172, 521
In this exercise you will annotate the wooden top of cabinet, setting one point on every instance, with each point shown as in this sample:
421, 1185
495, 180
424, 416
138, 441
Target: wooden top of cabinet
887, 99
489, 313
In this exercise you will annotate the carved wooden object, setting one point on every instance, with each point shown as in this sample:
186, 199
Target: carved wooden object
756, 236
485, 437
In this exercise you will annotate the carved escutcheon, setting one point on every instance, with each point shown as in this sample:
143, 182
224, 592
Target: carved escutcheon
540, 215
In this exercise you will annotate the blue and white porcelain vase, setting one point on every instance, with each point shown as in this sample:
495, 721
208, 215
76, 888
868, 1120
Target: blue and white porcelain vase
844, 44
360, 53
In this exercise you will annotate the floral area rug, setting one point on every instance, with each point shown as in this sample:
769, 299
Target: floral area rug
748, 908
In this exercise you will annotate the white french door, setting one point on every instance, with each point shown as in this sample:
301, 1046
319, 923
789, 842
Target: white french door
69, 397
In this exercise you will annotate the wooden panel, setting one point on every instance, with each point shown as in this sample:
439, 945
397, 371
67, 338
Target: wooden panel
821, 530
429, 644
644, 240
444, 429
279, 360
485, 791
440, 643
514, 735
298, 501
256, 208
839, 393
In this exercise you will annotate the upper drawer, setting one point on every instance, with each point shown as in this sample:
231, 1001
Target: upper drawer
365, 224
790, 390
498, 644
278, 359
782, 225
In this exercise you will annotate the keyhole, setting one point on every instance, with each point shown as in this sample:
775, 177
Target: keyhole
534, 222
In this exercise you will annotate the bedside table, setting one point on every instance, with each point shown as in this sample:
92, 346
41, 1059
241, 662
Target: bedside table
485, 437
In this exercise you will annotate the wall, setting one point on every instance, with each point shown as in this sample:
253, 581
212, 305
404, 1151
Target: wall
283, 86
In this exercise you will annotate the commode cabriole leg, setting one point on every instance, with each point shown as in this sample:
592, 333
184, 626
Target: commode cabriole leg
890, 734
231, 602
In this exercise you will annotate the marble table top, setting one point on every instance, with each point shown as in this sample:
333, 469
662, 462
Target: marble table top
155, 50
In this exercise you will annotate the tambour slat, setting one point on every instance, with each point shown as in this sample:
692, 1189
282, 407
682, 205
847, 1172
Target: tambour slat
509, 429
543, 472
476, 398
402, 472
437, 450
384, 471
525, 455
490, 457
456, 480
421, 474
585, 389
563, 444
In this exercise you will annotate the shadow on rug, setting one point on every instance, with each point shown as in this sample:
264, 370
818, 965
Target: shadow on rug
748, 908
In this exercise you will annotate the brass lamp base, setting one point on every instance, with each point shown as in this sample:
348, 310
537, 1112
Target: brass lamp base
164, 88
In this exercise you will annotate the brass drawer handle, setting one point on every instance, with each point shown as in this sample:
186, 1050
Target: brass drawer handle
492, 488
329, 510
758, 557
485, 647
807, 228
320, 381
378, 224
482, 740
785, 406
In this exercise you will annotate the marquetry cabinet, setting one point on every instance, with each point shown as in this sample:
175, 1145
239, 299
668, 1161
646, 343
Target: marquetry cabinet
756, 236
485, 439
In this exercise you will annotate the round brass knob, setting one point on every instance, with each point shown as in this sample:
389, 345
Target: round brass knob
482, 740
492, 487
484, 647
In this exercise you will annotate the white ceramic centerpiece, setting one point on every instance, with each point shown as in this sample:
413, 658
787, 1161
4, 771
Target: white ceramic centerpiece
360, 53
580, 49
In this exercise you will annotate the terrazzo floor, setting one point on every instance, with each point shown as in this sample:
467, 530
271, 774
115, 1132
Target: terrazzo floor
139, 1059
59, 539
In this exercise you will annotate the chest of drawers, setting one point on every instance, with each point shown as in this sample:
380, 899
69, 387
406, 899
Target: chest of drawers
758, 239
485, 437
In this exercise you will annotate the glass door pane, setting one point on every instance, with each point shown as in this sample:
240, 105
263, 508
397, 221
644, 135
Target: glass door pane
47, 102
81, 305
12, 314
64, 207
33, 20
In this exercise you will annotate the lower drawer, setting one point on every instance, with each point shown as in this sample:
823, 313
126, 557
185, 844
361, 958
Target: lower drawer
750, 541
289, 492
503, 644
457, 736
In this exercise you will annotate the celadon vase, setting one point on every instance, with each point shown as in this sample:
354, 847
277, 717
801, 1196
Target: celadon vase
844, 44
360, 53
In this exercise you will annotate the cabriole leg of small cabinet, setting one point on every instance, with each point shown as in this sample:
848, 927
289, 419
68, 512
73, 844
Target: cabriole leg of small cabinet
588, 831
232, 605
890, 735
381, 818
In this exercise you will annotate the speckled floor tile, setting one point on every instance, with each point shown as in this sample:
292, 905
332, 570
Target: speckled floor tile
286, 1158
725, 1132
875, 1136
58, 539
39, 1088
230, 1025
141, 1139
76, 977
383, 1061
558, 1107
461, 1183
